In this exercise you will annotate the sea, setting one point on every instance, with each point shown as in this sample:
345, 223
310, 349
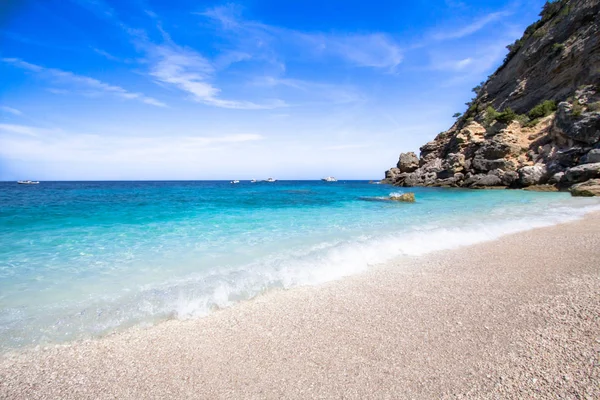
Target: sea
80, 260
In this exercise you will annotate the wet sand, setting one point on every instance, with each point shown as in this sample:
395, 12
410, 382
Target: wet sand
518, 317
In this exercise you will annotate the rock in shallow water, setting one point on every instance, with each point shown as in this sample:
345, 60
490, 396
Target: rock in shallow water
405, 197
586, 189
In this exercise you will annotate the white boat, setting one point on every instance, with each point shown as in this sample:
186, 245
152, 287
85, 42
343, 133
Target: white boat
234, 181
270, 180
27, 182
253, 181
329, 179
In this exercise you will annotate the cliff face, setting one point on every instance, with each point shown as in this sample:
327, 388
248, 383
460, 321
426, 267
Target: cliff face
535, 121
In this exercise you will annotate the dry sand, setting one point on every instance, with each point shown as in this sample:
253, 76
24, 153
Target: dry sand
515, 318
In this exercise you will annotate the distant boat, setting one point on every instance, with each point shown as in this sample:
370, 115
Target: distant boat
27, 182
270, 180
253, 181
329, 179
234, 181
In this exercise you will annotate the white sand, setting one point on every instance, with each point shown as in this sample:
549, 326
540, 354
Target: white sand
515, 318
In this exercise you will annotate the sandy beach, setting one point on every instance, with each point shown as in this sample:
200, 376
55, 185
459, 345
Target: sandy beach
514, 318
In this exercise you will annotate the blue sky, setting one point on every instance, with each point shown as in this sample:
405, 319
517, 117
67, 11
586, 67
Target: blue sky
181, 89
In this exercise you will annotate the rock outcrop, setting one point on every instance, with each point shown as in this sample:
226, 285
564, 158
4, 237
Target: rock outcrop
536, 121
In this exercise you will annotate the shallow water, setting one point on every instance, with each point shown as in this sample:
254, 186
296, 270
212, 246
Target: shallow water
80, 259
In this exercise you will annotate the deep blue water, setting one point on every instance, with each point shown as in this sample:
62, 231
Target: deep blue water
80, 259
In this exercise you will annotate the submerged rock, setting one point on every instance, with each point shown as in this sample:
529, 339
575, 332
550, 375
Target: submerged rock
405, 197
586, 189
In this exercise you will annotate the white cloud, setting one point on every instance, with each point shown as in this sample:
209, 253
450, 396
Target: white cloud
371, 50
473, 27
105, 54
10, 110
188, 71
486, 56
86, 82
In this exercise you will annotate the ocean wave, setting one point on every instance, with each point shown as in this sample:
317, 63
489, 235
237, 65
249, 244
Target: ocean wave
220, 287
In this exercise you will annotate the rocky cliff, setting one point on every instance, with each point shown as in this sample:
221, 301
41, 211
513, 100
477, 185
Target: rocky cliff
536, 121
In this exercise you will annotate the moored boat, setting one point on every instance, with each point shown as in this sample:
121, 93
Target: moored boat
28, 182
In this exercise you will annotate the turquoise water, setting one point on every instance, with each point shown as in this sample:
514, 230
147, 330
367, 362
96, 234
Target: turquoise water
80, 259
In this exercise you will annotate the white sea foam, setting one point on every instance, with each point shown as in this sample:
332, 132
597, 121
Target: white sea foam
331, 261
198, 294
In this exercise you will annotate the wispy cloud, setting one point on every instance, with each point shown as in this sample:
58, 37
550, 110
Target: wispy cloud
313, 91
105, 54
11, 110
97, 86
188, 71
484, 58
27, 130
375, 50
471, 28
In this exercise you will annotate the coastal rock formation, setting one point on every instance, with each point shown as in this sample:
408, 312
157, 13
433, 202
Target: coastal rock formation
535, 122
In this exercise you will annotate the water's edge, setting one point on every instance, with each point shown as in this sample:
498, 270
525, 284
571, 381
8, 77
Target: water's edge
473, 237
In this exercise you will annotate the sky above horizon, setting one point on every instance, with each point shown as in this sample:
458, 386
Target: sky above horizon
149, 89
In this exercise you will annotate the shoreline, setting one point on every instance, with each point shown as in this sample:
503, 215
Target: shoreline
417, 328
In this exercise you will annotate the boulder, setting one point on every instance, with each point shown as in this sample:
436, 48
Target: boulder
481, 181
586, 189
569, 157
532, 175
454, 162
581, 173
508, 178
481, 164
408, 162
452, 181
404, 197
392, 174
496, 149
554, 179
593, 156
